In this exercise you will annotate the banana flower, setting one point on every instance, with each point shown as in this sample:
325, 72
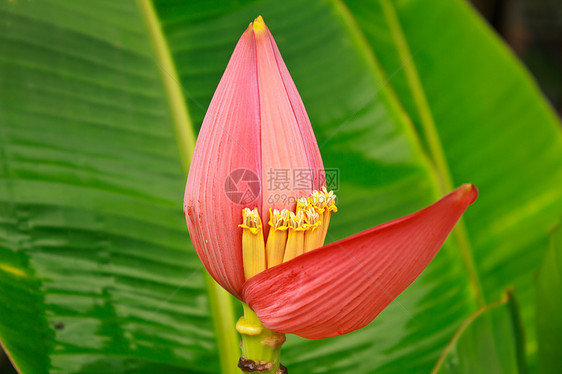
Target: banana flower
270, 253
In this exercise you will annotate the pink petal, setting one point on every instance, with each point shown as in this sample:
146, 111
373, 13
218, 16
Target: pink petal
256, 122
229, 140
307, 135
287, 139
343, 286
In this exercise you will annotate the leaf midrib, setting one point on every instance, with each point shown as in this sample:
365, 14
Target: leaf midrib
434, 151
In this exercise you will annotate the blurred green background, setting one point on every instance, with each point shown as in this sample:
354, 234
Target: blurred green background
533, 31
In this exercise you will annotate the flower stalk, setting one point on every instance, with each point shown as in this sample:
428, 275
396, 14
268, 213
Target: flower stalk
261, 347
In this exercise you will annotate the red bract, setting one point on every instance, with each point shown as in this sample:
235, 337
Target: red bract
256, 124
344, 285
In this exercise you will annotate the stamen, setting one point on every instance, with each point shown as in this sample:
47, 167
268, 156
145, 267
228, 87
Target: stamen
277, 239
330, 198
302, 204
295, 239
290, 235
318, 201
253, 249
312, 217
278, 219
313, 236
330, 206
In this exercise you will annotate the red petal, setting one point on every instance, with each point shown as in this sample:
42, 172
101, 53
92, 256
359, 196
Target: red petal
343, 286
229, 140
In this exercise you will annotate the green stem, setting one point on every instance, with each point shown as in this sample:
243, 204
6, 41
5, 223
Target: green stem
220, 301
223, 320
174, 93
259, 344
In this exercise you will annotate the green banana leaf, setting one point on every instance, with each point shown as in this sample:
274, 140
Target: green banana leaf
489, 341
549, 307
99, 102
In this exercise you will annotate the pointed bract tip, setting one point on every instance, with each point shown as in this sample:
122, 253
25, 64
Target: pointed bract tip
259, 25
467, 192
